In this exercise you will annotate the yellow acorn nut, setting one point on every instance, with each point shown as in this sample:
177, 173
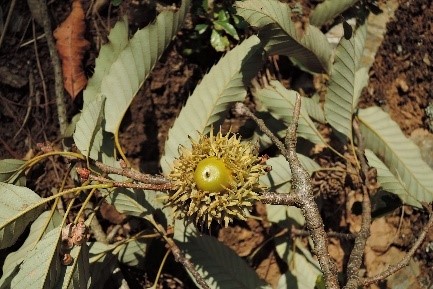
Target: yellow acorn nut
212, 175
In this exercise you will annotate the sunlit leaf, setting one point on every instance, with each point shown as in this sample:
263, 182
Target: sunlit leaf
280, 102
303, 268
18, 207
342, 94
309, 49
328, 10
207, 106
117, 40
401, 156
88, 133
42, 266
46, 222
134, 63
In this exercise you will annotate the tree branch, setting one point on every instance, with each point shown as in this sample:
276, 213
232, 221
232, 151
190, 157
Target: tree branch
357, 254
302, 189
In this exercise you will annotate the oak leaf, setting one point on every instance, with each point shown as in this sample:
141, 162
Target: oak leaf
72, 46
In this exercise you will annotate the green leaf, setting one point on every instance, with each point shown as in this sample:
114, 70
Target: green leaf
9, 168
40, 227
132, 253
135, 62
77, 274
201, 28
328, 10
220, 266
218, 41
341, 97
280, 102
309, 49
208, 105
42, 267
118, 39
18, 207
228, 28
88, 134
402, 157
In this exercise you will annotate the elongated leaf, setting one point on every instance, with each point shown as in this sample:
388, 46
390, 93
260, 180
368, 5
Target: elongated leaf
309, 48
285, 216
118, 39
280, 102
40, 227
222, 86
134, 64
41, 267
278, 179
76, 275
88, 134
388, 181
139, 203
303, 269
219, 265
133, 253
18, 207
12, 172
314, 108
342, 91
102, 263
403, 158
328, 10
8, 167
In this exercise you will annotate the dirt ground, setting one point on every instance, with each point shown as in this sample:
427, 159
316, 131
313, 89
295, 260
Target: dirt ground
401, 82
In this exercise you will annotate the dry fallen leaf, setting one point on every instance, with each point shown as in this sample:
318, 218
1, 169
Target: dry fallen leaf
72, 46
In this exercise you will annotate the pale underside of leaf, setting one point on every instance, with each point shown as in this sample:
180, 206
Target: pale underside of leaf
135, 62
8, 167
132, 253
328, 10
42, 225
303, 268
388, 181
118, 39
17, 210
310, 48
342, 90
403, 158
280, 102
220, 266
42, 267
102, 263
207, 106
139, 203
77, 274
278, 179
88, 133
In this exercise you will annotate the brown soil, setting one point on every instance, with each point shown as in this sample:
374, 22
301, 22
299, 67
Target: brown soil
401, 82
